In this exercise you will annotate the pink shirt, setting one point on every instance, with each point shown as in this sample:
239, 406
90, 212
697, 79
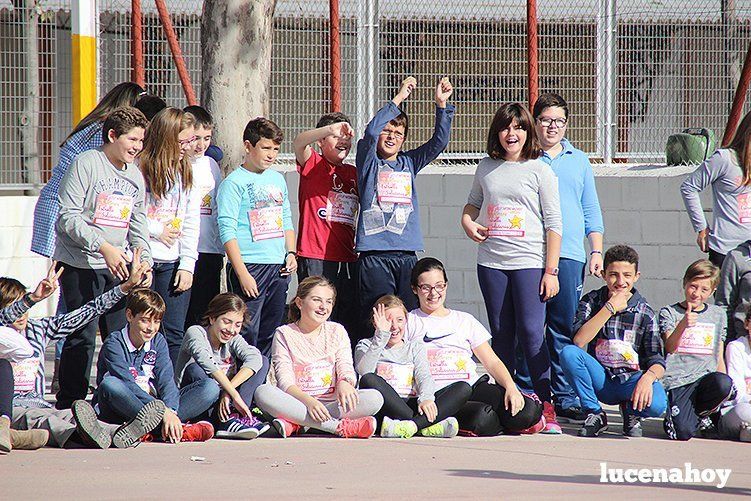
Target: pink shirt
313, 362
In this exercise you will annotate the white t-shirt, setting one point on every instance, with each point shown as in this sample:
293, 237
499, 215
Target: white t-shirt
738, 362
449, 342
206, 179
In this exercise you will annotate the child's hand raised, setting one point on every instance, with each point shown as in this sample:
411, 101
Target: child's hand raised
443, 92
408, 85
342, 130
48, 285
380, 322
690, 316
138, 271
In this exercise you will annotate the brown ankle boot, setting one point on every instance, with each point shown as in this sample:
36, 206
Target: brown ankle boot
29, 440
5, 443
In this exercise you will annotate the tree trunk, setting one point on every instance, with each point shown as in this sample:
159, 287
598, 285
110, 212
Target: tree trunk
236, 66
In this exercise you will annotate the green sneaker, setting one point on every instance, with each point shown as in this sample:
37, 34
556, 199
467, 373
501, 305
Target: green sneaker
447, 428
393, 428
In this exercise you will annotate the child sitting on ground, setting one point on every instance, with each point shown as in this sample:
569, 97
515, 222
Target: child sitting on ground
616, 357
214, 351
735, 421
399, 370
135, 378
313, 379
694, 332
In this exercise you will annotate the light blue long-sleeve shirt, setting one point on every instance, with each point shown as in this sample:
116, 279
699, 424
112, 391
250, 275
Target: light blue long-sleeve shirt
243, 192
580, 206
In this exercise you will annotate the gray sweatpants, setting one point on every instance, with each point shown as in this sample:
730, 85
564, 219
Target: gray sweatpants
730, 424
272, 400
60, 423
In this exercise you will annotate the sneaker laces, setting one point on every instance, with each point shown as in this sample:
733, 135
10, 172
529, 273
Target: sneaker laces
402, 430
248, 420
592, 419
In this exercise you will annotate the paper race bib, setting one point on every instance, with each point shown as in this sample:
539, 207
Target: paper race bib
744, 208
615, 353
266, 223
395, 187
506, 221
342, 208
206, 205
25, 374
143, 381
225, 365
400, 377
113, 210
165, 214
317, 379
698, 340
449, 364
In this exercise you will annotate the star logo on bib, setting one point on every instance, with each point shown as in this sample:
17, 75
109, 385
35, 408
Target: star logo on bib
627, 357
206, 201
326, 379
461, 364
175, 223
516, 222
124, 212
708, 340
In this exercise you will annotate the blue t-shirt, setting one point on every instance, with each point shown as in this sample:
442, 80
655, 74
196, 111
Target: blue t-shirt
254, 210
389, 218
580, 206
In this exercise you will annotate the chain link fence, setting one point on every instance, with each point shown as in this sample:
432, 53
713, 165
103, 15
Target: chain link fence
633, 71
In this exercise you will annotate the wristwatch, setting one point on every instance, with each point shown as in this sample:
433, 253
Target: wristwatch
551, 271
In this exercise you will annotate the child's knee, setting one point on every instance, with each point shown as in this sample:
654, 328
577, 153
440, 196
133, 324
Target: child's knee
371, 400
371, 380
479, 419
569, 355
111, 387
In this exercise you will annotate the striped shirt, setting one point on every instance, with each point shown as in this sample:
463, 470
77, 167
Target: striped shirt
46, 210
636, 326
39, 331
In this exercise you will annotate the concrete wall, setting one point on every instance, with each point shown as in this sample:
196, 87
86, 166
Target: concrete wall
641, 205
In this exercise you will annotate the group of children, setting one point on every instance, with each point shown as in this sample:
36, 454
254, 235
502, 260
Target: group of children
145, 221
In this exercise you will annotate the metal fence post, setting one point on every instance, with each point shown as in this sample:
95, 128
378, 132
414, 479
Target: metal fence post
367, 60
30, 115
606, 68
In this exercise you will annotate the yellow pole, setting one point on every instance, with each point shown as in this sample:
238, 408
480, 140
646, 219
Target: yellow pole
83, 14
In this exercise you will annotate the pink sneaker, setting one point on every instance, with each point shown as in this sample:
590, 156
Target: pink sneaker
551, 422
535, 428
357, 428
285, 428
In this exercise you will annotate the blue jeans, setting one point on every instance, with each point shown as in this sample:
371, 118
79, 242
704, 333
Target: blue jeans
517, 315
173, 321
560, 312
593, 385
118, 403
266, 311
193, 373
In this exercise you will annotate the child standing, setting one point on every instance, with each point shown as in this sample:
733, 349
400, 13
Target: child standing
513, 212
694, 334
102, 215
214, 351
173, 211
328, 211
388, 229
616, 357
313, 379
400, 371
135, 378
255, 226
206, 179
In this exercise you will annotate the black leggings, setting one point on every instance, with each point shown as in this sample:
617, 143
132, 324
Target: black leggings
448, 400
485, 413
6, 389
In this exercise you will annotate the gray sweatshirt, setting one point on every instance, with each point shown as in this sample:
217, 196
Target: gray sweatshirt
693, 360
731, 211
372, 355
230, 357
99, 203
734, 289
518, 203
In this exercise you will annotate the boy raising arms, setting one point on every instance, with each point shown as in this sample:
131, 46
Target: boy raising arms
616, 357
694, 333
102, 215
206, 179
328, 211
255, 226
388, 230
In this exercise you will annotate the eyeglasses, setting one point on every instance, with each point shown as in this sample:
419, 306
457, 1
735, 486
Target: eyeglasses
186, 142
547, 122
427, 289
391, 132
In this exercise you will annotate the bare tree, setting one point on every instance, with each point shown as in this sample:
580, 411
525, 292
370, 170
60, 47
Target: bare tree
236, 66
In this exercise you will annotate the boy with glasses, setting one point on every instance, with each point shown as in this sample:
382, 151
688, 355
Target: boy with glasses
388, 230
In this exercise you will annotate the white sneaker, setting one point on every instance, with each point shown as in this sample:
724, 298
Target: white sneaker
394, 428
